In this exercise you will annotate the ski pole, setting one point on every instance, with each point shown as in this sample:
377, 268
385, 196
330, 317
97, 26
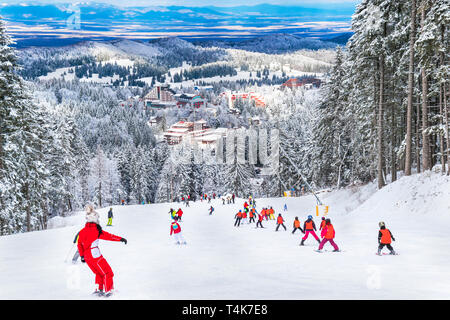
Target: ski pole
68, 253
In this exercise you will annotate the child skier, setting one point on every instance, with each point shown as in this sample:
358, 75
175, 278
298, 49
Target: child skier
244, 216
297, 226
271, 213
385, 238
329, 236
309, 227
211, 210
260, 219
110, 216
265, 213
285, 207
252, 215
322, 226
179, 214
90, 252
238, 218
280, 221
175, 229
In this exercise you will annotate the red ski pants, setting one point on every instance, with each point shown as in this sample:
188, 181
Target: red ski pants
103, 273
307, 232
330, 241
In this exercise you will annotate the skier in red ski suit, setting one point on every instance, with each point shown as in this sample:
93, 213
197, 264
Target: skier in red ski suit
88, 241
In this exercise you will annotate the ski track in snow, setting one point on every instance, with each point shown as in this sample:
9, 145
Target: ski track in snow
225, 262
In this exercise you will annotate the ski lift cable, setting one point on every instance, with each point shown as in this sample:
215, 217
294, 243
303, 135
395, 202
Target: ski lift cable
303, 178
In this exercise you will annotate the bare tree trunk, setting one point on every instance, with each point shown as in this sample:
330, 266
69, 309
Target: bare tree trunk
393, 138
418, 136
446, 112
380, 126
426, 163
100, 194
412, 40
441, 122
27, 209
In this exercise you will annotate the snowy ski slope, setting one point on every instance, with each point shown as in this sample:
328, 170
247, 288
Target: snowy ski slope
224, 262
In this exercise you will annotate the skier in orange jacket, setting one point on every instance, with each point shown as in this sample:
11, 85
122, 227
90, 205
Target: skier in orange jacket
385, 238
252, 215
260, 219
238, 217
271, 213
280, 221
297, 226
309, 227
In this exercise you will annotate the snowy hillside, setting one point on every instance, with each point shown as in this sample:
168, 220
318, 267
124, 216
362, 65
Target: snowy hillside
225, 262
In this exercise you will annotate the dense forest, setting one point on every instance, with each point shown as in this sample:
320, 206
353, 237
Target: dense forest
383, 112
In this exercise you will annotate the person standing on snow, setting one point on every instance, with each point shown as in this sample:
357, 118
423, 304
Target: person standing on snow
211, 210
271, 213
244, 216
322, 226
88, 241
285, 207
309, 227
252, 215
175, 229
110, 216
238, 217
260, 219
297, 226
179, 214
329, 236
280, 221
385, 238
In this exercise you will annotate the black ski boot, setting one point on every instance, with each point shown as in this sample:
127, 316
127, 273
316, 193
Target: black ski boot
108, 294
98, 293
302, 243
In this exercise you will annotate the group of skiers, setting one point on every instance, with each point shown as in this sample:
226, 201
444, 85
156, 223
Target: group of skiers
326, 228
87, 239
178, 214
202, 197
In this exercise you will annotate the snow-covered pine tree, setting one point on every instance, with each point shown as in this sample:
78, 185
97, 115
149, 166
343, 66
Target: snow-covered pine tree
23, 173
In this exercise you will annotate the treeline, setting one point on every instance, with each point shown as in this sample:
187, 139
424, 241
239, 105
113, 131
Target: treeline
42, 66
208, 71
385, 108
130, 74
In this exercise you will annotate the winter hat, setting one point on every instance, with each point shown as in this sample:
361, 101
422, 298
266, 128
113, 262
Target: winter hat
91, 214
381, 224
309, 217
328, 221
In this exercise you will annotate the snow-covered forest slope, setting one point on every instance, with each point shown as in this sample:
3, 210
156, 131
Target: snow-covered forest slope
225, 262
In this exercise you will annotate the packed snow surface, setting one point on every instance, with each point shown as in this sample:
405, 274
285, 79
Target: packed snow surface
225, 262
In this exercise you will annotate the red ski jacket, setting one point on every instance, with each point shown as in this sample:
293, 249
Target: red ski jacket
88, 241
175, 228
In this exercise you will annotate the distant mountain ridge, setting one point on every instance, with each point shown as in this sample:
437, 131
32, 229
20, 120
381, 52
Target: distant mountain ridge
36, 23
